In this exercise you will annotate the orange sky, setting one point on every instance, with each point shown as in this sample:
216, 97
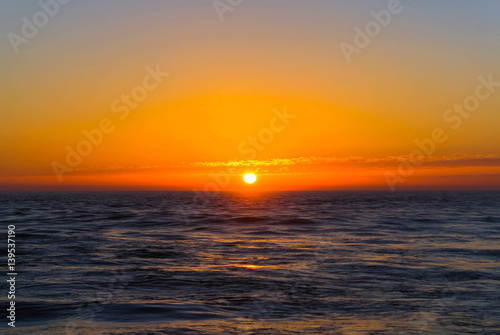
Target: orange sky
155, 96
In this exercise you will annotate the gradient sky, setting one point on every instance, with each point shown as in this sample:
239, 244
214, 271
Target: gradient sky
354, 122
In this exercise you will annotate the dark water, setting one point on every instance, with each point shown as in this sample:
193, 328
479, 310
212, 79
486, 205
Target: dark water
282, 263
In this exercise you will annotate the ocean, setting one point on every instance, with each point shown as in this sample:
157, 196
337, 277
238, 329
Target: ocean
273, 263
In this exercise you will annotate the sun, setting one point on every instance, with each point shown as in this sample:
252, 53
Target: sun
249, 178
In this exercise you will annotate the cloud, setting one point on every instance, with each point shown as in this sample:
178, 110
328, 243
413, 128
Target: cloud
296, 165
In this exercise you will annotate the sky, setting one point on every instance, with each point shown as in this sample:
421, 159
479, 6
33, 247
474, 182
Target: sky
192, 94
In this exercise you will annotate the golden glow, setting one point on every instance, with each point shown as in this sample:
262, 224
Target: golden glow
250, 178
216, 117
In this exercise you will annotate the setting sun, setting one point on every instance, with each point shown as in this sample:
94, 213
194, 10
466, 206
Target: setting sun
249, 178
